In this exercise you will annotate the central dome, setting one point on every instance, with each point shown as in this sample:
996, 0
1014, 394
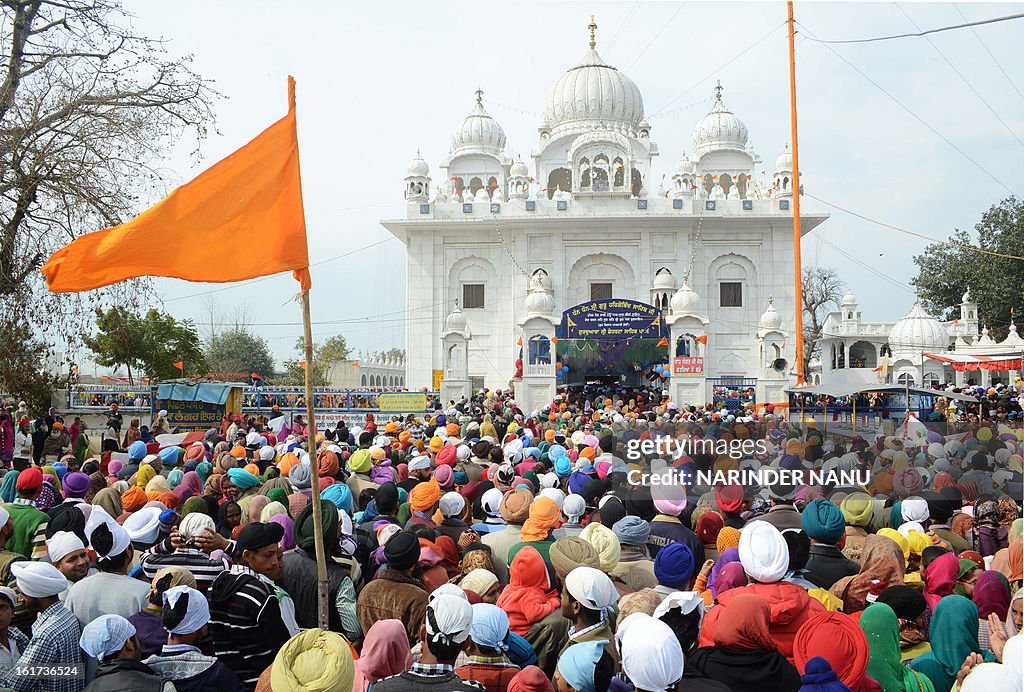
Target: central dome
720, 128
917, 332
595, 91
479, 131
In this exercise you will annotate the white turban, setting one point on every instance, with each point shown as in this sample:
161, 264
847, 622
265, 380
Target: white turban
267, 453
574, 507
447, 589
418, 463
252, 439
463, 453
194, 524
452, 504
99, 517
62, 544
38, 579
592, 588
915, 509
554, 494
196, 609
763, 552
652, 658
143, 526
5, 516
549, 480
491, 502
906, 527
106, 635
449, 619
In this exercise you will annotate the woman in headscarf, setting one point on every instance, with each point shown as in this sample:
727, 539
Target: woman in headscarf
191, 485
940, 578
385, 653
1015, 614
229, 515
987, 536
991, 595
966, 577
728, 556
110, 500
97, 482
133, 433
913, 615
212, 488
744, 656
884, 665
881, 560
287, 541
838, 639
954, 634
256, 505
205, 470
9, 486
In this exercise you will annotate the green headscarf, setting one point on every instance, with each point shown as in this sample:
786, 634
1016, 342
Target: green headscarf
278, 495
9, 486
965, 567
896, 515
404, 513
882, 628
205, 470
193, 504
954, 634
304, 527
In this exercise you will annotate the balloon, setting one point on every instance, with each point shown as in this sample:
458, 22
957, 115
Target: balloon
558, 365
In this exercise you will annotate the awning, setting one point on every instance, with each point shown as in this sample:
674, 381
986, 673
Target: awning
840, 390
996, 361
207, 392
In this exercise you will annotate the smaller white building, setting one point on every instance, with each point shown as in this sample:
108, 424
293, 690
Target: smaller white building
857, 352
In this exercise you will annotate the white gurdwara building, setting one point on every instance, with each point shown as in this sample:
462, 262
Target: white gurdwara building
515, 266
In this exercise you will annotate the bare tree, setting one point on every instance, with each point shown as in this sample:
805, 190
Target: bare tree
86, 110
822, 289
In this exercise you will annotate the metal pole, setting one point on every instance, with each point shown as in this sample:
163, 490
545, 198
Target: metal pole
322, 590
797, 263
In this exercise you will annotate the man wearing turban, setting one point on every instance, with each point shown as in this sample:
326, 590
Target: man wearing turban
826, 526
299, 576
423, 501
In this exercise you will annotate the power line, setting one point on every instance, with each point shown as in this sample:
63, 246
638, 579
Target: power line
964, 79
985, 46
618, 32
924, 33
868, 267
915, 115
660, 31
915, 233
720, 68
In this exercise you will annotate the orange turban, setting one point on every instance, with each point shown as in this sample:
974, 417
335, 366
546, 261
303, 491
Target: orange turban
253, 469
154, 495
452, 429
404, 436
549, 435
238, 452
169, 500
728, 537
424, 496
134, 498
391, 428
436, 443
327, 463
544, 514
588, 452
287, 462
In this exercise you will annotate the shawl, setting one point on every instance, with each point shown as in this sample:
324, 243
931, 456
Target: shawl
953, 634
385, 652
9, 486
110, 500
97, 482
881, 560
991, 594
882, 628
940, 579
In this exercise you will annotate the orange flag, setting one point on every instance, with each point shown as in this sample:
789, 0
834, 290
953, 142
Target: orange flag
180, 365
252, 198
302, 363
664, 341
701, 340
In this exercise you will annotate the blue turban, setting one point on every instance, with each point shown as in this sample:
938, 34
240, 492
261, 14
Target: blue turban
241, 478
790, 462
61, 469
578, 662
106, 635
631, 530
136, 451
673, 566
823, 521
819, 677
556, 451
520, 651
532, 452
340, 495
490, 626
563, 466
169, 455
577, 480
460, 478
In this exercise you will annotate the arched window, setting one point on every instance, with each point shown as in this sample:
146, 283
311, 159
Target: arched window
776, 352
475, 184
842, 356
492, 185
834, 359
619, 170
540, 350
585, 173
709, 183
637, 182
785, 183
931, 379
460, 184
862, 355
362, 381
741, 185
906, 378
684, 346
559, 178
725, 180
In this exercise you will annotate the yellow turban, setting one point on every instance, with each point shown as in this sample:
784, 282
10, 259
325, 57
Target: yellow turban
605, 542
360, 461
917, 542
144, 476
436, 443
900, 539
858, 509
728, 537
313, 661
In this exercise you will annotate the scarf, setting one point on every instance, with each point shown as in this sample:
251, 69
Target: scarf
953, 633
882, 628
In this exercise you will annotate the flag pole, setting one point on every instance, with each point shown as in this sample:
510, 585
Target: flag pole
797, 263
314, 473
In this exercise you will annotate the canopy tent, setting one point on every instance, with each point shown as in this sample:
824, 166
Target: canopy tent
1009, 360
841, 390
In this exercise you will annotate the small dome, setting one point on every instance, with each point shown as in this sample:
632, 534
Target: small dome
519, 170
685, 166
917, 332
784, 164
456, 321
539, 302
540, 279
417, 167
664, 281
966, 297
1012, 338
685, 301
595, 91
479, 131
849, 300
719, 129
770, 318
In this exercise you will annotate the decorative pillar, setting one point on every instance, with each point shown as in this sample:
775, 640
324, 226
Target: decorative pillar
455, 351
688, 333
537, 387
772, 373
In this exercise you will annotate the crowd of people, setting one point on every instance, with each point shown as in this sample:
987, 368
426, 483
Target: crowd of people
486, 547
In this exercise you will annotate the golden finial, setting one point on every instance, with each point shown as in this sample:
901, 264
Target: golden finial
593, 28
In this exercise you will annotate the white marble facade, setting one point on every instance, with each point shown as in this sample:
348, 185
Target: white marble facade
585, 213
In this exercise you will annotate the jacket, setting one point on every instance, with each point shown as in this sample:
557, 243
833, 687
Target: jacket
602, 633
636, 574
118, 675
453, 528
191, 671
500, 542
495, 678
299, 579
530, 597
393, 596
547, 638
788, 603
667, 529
827, 565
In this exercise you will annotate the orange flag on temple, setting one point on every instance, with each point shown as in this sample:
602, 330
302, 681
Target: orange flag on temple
180, 365
701, 340
252, 198
664, 341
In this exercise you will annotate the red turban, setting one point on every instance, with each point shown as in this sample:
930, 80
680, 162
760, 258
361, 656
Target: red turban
30, 479
447, 456
839, 640
729, 498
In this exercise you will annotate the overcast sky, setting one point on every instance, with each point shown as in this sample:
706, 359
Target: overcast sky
377, 80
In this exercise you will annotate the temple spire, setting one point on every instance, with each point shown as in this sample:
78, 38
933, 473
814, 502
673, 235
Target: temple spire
593, 29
